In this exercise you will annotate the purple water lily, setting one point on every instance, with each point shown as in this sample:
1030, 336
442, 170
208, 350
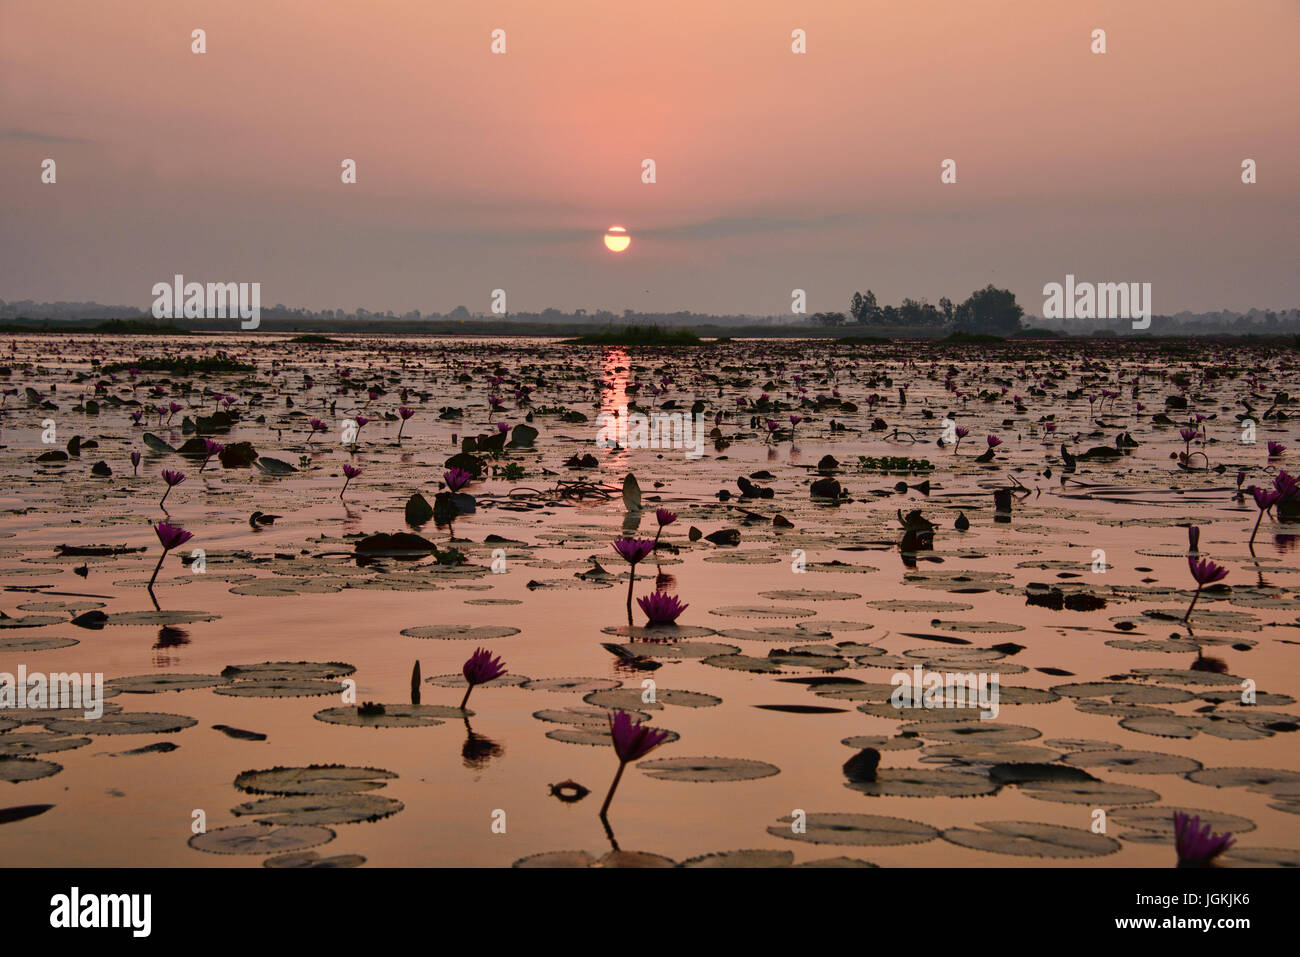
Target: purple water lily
349, 472
1195, 843
1205, 572
169, 536
632, 741
480, 668
661, 608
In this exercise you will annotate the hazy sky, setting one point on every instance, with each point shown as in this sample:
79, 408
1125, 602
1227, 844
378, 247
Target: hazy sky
775, 170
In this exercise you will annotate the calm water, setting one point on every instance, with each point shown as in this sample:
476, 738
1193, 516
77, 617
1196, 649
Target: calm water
829, 597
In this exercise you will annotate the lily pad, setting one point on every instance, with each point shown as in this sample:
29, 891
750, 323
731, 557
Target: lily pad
15, 770
708, 769
1032, 839
867, 830
393, 716
261, 839
461, 632
340, 808
313, 779
138, 722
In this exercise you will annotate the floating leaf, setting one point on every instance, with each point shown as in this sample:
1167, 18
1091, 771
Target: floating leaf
1032, 839
461, 632
871, 830
260, 839
313, 779
26, 769
708, 769
393, 716
1134, 762
140, 722
342, 808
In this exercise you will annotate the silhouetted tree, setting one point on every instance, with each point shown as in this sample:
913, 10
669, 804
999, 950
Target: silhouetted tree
990, 310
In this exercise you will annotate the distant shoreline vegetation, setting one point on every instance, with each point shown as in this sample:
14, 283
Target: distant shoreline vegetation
635, 335
989, 311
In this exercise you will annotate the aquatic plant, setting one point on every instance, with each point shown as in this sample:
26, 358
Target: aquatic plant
479, 668
632, 550
349, 472
405, 413
661, 608
1264, 500
210, 448
169, 536
664, 518
632, 741
456, 479
172, 478
1195, 844
1205, 572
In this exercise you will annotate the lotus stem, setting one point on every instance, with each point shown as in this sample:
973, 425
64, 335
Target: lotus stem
612, 788
1192, 605
157, 568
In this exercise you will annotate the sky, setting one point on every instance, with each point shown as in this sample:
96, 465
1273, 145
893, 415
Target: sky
775, 170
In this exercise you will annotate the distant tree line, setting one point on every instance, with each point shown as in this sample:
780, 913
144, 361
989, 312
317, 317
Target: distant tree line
989, 310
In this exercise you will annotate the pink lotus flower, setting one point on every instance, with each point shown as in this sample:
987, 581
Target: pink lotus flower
631, 743
665, 517
1196, 845
135, 462
1205, 572
316, 426
210, 449
994, 441
349, 473
169, 536
634, 550
661, 608
1275, 449
405, 413
1287, 485
456, 479
1265, 498
479, 669
172, 478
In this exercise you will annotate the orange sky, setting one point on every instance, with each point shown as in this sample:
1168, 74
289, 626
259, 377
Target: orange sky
775, 170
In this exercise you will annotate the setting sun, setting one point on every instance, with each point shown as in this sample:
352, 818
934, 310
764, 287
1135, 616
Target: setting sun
617, 239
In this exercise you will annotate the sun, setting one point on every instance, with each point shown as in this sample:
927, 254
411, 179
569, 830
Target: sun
617, 239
